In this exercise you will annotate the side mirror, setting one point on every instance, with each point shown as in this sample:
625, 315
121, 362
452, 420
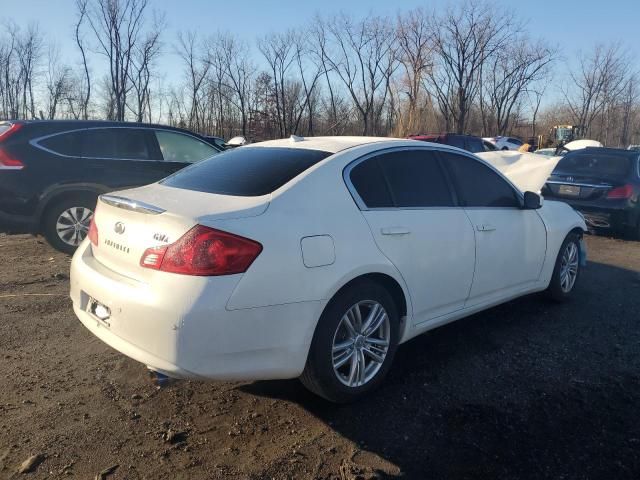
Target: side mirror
532, 201
237, 141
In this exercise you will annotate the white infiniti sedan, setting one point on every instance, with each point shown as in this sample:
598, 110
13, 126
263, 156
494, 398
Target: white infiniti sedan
313, 258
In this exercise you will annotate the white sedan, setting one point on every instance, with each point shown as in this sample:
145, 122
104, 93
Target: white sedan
505, 143
313, 258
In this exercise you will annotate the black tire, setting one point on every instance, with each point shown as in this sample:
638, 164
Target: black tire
504, 148
555, 289
55, 210
319, 375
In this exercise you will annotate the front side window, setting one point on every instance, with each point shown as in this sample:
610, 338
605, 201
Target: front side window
131, 143
177, 147
402, 179
478, 185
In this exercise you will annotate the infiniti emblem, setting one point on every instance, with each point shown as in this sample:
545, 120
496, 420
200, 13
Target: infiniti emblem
119, 228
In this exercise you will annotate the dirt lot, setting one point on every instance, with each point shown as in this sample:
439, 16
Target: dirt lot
530, 389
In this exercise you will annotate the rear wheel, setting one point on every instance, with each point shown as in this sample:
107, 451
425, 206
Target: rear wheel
567, 269
354, 344
66, 223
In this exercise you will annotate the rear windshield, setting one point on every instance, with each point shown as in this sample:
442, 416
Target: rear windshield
246, 171
596, 164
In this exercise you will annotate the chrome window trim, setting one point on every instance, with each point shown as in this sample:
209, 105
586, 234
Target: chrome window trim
132, 205
36, 143
346, 176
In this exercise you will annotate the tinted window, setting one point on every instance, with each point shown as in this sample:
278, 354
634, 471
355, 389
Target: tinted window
515, 140
478, 185
415, 179
65, 144
370, 184
131, 143
474, 145
246, 171
456, 141
177, 147
595, 164
99, 143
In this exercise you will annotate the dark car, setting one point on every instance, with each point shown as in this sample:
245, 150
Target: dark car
465, 142
51, 172
601, 183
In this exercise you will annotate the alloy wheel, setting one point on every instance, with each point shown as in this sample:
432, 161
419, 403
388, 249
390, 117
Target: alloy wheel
72, 225
361, 343
569, 267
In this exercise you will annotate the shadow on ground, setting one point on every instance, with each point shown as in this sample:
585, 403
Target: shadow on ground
529, 389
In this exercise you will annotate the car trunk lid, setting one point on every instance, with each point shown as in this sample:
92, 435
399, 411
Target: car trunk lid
131, 221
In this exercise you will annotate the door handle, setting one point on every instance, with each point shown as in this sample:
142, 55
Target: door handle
395, 231
485, 228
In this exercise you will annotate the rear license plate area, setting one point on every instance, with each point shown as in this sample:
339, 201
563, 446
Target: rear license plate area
99, 311
569, 190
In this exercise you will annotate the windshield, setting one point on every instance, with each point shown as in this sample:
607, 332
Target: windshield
246, 171
594, 164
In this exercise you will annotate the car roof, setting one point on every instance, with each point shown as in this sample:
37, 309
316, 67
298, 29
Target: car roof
605, 150
327, 144
79, 124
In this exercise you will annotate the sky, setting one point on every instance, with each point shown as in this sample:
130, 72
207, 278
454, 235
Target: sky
571, 25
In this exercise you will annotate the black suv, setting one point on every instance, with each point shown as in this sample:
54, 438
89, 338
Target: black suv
601, 183
51, 172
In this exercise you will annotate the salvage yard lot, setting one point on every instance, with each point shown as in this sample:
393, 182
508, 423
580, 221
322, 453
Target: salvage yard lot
530, 389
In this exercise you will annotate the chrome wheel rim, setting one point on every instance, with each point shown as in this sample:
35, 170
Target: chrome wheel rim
72, 225
569, 267
361, 343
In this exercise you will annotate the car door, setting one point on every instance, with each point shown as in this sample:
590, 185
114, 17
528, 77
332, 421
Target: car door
408, 204
179, 150
510, 242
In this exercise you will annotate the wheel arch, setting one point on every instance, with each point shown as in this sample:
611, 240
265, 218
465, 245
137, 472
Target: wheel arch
395, 287
59, 193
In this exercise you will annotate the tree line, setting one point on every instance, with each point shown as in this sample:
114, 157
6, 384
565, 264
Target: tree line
470, 68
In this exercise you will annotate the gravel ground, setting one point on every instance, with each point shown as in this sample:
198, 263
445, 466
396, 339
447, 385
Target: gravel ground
530, 389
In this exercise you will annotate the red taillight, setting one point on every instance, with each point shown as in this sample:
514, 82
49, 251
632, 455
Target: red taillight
8, 162
203, 251
93, 231
620, 193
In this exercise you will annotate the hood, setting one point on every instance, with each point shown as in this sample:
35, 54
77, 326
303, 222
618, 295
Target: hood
527, 171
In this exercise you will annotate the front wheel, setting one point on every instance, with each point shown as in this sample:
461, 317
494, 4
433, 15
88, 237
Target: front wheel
354, 344
567, 269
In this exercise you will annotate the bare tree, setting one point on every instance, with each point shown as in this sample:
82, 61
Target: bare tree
509, 74
415, 42
197, 67
117, 26
465, 36
57, 83
363, 57
601, 78
85, 96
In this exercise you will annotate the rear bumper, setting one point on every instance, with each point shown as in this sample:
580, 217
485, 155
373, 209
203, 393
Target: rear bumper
615, 215
180, 326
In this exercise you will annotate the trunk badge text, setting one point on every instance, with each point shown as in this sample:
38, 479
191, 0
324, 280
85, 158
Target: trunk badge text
119, 228
161, 237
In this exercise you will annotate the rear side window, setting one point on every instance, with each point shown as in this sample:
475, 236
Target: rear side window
402, 179
515, 141
369, 182
594, 163
131, 143
478, 185
110, 143
176, 147
246, 171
